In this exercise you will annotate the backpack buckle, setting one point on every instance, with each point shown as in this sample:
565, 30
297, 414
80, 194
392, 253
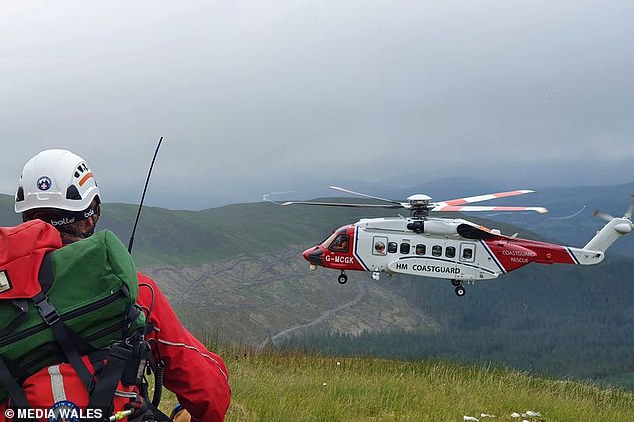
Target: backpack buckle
48, 311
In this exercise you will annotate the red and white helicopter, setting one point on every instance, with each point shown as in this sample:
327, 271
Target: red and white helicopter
454, 249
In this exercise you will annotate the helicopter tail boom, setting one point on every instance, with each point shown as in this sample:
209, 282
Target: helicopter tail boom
616, 228
594, 251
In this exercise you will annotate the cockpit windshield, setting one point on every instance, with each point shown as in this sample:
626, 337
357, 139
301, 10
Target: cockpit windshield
340, 243
329, 239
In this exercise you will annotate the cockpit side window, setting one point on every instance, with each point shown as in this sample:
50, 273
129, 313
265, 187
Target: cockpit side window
379, 245
339, 244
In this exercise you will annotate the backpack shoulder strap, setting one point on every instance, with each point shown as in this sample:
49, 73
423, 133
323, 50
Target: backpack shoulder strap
61, 332
8, 381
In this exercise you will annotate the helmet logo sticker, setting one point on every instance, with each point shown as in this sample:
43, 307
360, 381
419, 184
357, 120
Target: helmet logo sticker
44, 183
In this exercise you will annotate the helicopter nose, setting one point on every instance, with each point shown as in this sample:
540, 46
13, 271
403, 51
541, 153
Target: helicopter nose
313, 255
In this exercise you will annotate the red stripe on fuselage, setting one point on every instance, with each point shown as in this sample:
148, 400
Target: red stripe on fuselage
515, 253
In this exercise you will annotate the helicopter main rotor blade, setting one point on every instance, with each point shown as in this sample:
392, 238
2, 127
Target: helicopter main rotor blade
342, 204
487, 197
391, 201
453, 208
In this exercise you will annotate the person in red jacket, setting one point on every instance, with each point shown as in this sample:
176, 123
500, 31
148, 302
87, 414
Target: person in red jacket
58, 187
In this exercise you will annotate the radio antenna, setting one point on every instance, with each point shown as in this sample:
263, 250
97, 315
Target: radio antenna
147, 181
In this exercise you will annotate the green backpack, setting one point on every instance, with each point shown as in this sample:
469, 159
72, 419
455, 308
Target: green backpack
57, 304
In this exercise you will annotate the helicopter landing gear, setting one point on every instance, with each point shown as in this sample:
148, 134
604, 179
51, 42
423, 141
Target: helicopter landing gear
343, 278
460, 290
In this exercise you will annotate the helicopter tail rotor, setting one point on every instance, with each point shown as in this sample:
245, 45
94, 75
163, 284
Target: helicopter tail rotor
616, 227
608, 217
604, 216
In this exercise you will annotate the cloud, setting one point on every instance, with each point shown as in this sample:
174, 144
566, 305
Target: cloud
253, 95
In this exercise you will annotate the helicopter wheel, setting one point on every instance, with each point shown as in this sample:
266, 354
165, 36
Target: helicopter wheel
460, 291
342, 279
456, 283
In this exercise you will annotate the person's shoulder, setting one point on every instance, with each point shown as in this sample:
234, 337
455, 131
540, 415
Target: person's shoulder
144, 278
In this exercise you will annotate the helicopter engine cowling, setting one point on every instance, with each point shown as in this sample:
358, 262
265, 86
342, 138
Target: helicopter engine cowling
433, 227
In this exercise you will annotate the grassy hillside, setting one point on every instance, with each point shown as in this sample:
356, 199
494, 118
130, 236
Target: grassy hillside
291, 386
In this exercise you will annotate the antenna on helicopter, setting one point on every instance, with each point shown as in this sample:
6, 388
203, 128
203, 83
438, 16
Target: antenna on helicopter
147, 181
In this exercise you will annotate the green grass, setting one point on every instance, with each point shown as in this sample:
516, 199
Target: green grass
290, 386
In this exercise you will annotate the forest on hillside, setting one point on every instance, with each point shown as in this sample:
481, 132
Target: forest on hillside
532, 320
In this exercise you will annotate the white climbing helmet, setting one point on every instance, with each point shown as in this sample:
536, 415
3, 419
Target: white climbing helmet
56, 178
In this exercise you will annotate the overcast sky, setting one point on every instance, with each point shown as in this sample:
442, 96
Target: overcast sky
260, 96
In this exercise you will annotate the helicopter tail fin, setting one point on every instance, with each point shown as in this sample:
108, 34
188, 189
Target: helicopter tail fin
615, 228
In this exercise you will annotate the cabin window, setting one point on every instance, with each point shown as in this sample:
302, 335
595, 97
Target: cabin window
405, 248
392, 247
467, 252
450, 252
420, 249
436, 250
340, 244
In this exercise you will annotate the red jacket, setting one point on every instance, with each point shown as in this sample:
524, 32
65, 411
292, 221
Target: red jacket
198, 377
